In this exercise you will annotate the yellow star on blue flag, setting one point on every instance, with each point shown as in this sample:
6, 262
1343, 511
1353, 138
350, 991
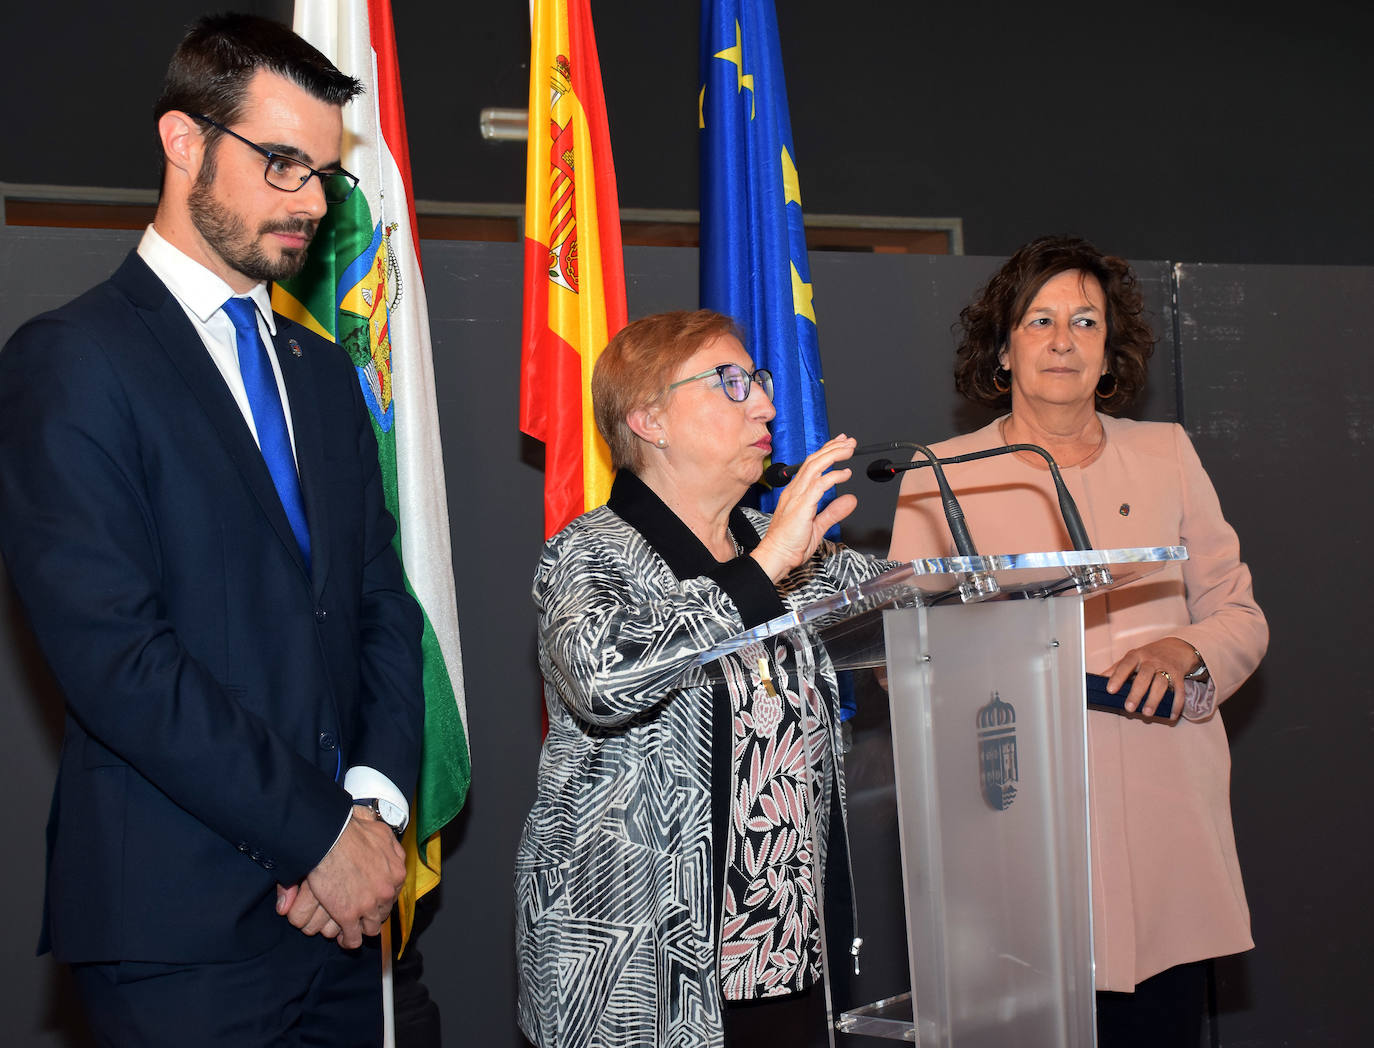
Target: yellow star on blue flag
801, 296
736, 55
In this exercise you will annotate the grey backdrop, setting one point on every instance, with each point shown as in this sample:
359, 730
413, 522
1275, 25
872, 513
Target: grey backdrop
1267, 366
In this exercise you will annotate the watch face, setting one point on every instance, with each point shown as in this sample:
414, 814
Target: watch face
387, 812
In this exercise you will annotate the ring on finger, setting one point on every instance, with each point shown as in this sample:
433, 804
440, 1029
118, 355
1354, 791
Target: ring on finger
1165, 675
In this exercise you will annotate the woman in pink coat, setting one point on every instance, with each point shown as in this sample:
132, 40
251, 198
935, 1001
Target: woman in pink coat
1058, 335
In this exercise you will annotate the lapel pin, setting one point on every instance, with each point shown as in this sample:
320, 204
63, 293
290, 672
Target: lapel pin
1125, 509
766, 678
295, 347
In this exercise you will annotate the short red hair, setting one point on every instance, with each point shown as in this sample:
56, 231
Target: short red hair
637, 365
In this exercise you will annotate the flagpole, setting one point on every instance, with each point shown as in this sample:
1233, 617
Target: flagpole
343, 30
388, 980
388, 997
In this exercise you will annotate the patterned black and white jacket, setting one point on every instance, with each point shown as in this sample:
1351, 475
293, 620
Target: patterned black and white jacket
618, 884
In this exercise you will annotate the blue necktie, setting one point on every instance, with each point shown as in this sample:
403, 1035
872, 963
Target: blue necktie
269, 419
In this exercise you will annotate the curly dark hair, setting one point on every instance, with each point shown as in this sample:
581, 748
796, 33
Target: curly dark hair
986, 322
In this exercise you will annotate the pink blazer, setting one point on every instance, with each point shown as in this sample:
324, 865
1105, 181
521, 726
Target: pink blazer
1166, 880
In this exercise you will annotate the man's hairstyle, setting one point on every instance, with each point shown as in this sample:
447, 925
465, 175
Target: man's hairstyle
211, 69
636, 366
987, 321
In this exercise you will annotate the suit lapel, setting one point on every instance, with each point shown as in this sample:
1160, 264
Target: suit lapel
309, 435
167, 323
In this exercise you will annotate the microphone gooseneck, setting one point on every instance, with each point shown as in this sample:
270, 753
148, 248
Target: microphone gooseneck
973, 585
883, 470
954, 513
779, 473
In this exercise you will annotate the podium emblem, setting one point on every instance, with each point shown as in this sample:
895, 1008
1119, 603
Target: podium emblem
998, 770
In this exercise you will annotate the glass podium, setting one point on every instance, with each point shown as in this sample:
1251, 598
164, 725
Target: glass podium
966, 774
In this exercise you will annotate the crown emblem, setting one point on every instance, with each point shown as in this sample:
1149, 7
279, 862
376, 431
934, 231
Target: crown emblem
998, 766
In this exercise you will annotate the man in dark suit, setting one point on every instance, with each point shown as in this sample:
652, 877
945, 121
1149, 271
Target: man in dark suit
192, 513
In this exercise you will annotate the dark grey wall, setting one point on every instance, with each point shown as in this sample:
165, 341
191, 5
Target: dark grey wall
1197, 129
1277, 393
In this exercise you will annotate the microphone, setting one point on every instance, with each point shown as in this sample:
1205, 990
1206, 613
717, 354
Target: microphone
779, 473
975, 585
883, 470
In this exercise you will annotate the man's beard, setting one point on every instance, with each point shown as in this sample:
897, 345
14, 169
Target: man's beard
227, 234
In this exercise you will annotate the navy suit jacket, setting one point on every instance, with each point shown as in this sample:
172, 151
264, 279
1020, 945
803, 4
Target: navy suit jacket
215, 690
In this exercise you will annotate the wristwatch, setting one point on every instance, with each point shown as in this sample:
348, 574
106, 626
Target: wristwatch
385, 811
1200, 673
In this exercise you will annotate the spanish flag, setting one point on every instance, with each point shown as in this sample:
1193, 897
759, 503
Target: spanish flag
363, 288
574, 270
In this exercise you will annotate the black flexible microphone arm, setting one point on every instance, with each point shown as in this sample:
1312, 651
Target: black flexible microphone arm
954, 513
884, 470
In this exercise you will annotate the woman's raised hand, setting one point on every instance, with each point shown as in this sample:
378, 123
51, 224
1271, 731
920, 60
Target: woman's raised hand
796, 528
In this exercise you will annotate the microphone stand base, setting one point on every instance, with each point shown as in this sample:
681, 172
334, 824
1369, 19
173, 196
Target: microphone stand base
1090, 577
977, 586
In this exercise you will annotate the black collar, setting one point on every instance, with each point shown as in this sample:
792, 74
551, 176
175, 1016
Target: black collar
635, 503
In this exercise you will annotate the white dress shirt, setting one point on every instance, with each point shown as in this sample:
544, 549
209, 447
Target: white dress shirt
202, 295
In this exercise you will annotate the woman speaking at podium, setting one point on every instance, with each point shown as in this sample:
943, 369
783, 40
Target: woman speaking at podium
668, 880
1058, 336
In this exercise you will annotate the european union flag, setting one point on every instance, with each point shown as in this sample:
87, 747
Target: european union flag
753, 242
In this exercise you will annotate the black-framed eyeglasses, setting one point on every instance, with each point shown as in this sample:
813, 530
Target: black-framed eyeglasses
290, 175
735, 381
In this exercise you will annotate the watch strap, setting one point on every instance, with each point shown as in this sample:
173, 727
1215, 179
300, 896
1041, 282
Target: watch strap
1200, 672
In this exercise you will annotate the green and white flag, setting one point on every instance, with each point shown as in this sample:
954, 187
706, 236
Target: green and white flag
362, 287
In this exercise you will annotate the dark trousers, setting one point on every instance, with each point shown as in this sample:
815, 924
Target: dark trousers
1164, 1012
305, 992
796, 1021
417, 1015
